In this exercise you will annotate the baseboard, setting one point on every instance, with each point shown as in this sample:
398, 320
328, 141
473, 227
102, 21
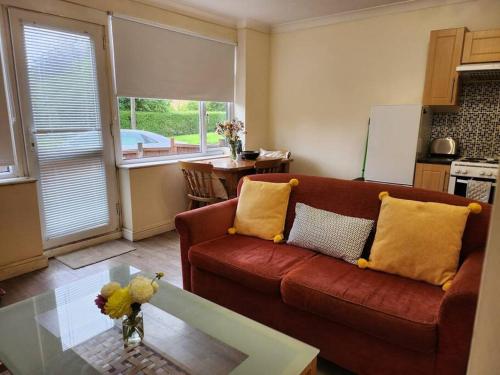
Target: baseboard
151, 231
23, 266
82, 244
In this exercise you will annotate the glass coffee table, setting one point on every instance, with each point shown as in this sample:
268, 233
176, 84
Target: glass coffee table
63, 332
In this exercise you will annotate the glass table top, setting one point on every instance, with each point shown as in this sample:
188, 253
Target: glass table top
45, 334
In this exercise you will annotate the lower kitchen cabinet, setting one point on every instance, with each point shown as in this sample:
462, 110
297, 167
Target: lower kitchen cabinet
432, 176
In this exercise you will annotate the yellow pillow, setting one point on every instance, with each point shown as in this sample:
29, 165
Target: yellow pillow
261, 210
419, 240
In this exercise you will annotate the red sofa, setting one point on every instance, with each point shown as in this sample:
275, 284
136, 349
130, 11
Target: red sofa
366, 321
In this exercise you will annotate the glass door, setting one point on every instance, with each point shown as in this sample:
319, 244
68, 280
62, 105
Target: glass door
60, 69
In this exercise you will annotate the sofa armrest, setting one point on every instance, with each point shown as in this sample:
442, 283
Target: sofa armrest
456, 317
201, 225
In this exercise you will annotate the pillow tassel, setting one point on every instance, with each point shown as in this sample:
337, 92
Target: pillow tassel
447, 285
278, 238
475, 208
362, 263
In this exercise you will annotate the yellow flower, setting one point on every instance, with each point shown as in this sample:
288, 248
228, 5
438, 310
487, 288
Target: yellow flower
119, 303
108, 289
141, 289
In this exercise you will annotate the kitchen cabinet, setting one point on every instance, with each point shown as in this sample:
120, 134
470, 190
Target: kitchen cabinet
432, 176
481, 46
441, 77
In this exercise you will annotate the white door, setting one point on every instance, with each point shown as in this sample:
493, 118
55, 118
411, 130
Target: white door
61, 76
392, 143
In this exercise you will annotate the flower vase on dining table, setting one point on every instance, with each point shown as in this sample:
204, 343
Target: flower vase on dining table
231, 131
233, 150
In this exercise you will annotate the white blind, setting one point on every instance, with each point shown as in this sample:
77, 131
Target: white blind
151, 62
66, 125
6, 150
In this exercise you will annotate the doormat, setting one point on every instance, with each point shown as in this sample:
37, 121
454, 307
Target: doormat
95, 254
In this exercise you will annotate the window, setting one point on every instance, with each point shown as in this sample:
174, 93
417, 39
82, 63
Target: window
6, 171
165, 127
7, 152
190, 77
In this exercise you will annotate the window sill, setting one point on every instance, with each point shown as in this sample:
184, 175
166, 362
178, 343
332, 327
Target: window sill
16, 180
145, 164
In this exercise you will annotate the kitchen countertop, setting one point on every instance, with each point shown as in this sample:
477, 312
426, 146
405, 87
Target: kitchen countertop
436, 160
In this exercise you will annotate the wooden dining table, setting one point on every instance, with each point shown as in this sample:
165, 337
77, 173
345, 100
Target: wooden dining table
231, 170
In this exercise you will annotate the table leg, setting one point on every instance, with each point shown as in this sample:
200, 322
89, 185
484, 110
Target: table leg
311, 368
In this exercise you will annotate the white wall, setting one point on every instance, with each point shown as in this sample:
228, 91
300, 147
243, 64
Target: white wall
324, 80
20, 236
150, 199
252, 86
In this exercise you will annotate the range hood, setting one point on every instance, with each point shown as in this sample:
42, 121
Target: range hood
480, 72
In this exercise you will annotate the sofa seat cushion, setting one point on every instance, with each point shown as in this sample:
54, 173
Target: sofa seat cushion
395, 309
250, 261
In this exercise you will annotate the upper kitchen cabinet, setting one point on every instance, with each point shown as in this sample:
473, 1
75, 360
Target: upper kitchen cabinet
481, 46
441, 78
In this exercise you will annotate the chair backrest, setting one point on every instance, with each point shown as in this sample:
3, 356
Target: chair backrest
268, 166
198, 178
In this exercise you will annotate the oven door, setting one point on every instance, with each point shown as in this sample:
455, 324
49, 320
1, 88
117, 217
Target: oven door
458, 186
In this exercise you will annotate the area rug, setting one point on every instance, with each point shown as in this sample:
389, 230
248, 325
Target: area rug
95, 254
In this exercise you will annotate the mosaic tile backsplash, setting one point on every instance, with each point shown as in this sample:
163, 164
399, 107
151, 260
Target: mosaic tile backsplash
476, 125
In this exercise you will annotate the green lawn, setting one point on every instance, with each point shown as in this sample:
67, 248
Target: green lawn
194, 139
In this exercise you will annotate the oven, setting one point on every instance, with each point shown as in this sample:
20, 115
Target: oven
463, 171
458, 186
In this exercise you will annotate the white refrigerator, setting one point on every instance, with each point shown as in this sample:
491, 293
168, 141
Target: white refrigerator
398, 135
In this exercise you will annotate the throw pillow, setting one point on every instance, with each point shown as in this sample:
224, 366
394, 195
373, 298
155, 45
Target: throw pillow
419, 240
278, 154
219, 189
329, 233
261, 210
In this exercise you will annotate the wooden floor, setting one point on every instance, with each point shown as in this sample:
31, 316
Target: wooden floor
155, 254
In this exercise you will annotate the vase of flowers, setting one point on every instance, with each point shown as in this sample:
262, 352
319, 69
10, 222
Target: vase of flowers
125, 303
133, 329
231, 131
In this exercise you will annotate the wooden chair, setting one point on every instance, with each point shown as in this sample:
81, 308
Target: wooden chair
199, 184
268, 166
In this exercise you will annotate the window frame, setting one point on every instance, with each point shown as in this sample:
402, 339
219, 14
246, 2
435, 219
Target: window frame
204, 149
12, 173
20, 167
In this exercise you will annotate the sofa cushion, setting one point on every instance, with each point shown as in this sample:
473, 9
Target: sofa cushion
262, 209
360, 199
411, 240
329, 233
398, 310
250, 261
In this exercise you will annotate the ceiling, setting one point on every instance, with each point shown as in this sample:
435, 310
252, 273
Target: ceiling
268, 12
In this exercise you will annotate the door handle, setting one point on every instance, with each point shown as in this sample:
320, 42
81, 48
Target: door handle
32, 142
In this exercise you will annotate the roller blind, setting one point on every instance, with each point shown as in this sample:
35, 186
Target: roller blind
66, 125
152, 62
6, 150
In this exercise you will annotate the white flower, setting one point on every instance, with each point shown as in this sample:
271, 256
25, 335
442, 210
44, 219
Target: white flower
141, 289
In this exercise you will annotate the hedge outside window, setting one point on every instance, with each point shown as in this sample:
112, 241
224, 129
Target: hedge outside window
165, 127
